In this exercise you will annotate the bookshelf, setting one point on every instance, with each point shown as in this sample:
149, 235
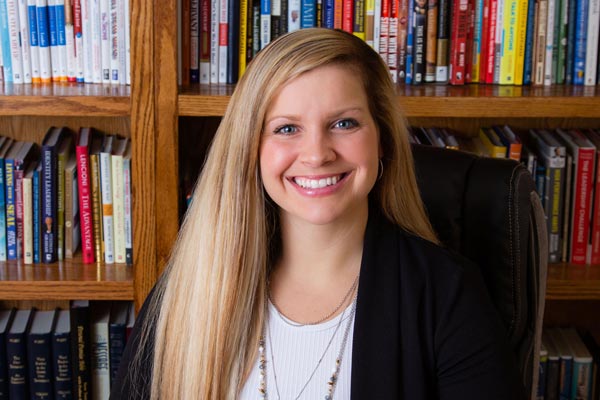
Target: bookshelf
27, 111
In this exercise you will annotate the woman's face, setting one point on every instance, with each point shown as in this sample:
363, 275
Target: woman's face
319, 154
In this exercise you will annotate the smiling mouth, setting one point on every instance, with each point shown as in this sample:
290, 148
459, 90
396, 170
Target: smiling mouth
307, 183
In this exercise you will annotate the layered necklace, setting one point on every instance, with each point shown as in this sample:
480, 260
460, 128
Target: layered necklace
331, 383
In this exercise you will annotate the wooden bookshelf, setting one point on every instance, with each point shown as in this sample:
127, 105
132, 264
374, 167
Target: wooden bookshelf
69, 279
442, 101
573, 282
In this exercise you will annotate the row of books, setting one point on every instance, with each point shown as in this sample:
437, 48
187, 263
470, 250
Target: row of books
64, 40
564, 165
568, 366
74, 189
512, 42
63, 354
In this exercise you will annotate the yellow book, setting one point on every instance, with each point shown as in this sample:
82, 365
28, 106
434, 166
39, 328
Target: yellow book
509, 33
370, 22
243, 36
118, 200
521, 39
492, 143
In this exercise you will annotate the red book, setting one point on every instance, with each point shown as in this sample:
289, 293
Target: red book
483, 52
348, 16
85, 194
458, 40
584, 157
488, 62
594, 137
469, 43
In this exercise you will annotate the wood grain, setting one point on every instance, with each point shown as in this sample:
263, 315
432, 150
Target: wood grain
573, 282
471, 101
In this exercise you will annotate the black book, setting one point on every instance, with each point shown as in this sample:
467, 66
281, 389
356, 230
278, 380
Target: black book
6, 317
117, 335
61, 351
39, 353
16, 351
80, 348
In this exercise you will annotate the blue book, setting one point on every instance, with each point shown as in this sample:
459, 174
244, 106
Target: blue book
61, 37
36, 211
410, 24
49, 159
44, 42
16, 351
33, 39
53, 35
11, 201
580, 42
39, 354
308, 14
265, 23
61, 353
6, 317
328, 14
566, 363
5, 38
529, 34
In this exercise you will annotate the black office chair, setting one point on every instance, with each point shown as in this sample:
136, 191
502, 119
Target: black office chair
488, 210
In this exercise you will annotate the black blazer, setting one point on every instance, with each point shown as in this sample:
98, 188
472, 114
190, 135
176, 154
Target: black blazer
425, 327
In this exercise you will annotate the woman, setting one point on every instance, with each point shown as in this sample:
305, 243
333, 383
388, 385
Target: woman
306, 266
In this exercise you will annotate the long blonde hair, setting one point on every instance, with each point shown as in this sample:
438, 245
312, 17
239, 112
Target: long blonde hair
208, 309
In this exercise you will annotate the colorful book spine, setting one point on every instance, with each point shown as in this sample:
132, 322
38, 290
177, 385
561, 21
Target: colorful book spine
369, 20
70, 42
128, 211
224, 36
540, 50
85, 204
409, 42
384, 40
347, 15
36, 194
11, 213
458, 42
265, 20
443, 29
358, 25
392, 55
243, 34
5, 39
53, 36
591, 52
402, 33
49, 206
508, 55
499, 39
78, 32
205, 41
107, 207
491, 42
419, 27
3, 254
294, 15
118, 202
477, 40
563, 22
61, 40
580, 42
97, 207
27, 219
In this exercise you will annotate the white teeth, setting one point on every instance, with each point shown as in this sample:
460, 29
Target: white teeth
317, 183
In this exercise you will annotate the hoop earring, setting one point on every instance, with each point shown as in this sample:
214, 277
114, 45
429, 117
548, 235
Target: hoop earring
380, 169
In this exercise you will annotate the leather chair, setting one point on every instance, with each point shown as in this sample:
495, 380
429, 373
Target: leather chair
487, 209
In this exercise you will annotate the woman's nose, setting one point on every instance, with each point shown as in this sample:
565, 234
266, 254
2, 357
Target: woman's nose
317, 148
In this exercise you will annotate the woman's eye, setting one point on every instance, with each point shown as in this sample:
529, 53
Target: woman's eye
285, 129
346, 124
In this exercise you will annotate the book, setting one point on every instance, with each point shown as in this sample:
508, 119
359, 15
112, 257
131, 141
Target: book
553, 366
61, 353
565, 362
458, 39
16, 354
100, 356
72, 218
27, 184
49, 193
118, 199
44, 40
64, 152
584, 163
6, 317
82, 150
119, 313
510, 140
551, 160
492, 142
107, 199
39, 353
5, 145
581, 383
37, 212
542, 371
80, 348
95, 184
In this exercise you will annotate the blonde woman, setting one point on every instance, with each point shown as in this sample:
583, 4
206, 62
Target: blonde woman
306, 267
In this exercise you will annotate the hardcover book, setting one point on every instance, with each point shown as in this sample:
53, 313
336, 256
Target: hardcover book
61, 352
39, 352
80, 348
4, 149
6, 317
100, 356
16, 355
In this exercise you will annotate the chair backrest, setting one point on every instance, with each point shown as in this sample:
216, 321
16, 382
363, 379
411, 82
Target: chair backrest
487, 209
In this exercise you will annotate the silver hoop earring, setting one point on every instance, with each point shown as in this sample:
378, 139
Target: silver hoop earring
380, 169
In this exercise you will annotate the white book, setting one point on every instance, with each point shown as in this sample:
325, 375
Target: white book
107, 204
498, 40
377, 26
94, 16
70, 42
86, 34
127, 44
114, 42
223, 28
265, 24
214, 41
53, 34
549, 42
105, 39
591, 51
121, 42
118, 193
100, 354
14, 32
25, 40
61, 40
33, 41
78, 33
293, 15
127, 202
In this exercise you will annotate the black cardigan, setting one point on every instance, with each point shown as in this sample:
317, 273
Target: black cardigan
425, 327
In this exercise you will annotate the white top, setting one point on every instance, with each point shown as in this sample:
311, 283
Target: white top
297, 350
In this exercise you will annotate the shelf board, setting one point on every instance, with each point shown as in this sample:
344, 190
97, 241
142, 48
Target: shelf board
469, 101
66, 280
573, 282
65, 99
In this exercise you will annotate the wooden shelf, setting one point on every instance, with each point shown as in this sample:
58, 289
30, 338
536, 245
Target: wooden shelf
66, 280
573, 282
470, 101
65, 99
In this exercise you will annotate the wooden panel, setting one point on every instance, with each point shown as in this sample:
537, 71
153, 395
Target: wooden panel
65, 99
167, 160
470, 101
574, 282
143, 147
581, 314
66, 280
34, 129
